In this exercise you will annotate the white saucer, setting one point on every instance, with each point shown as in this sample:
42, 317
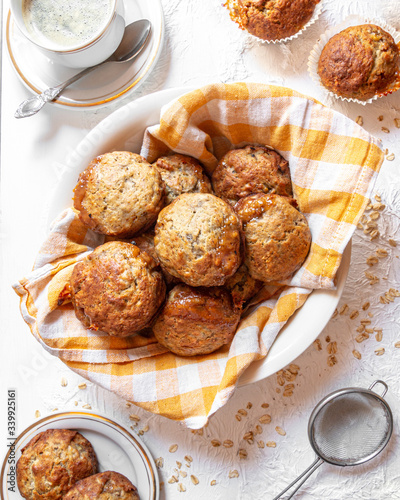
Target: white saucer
116, 449
104, 85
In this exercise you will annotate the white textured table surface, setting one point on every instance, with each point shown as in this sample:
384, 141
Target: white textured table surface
202, 45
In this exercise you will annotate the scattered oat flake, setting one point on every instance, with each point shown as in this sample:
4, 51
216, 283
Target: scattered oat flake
37, 414
360, 338
134, 417
249, 405
242, 453
379, 351
360, 226
173, 479
365, 306
390, 157
332, 360
87, 406
242, 412
380, 118
188, 458
392, 243
332, 348
344, 309
280, 431
173, 448
375, 215
318, 345
233, 473
372, 260
248, 435
360, 121
356, 354
369, 330
82, 385
397, 345
194, 479
183, 473
127, 404
238, 418
265, 405
227, 443
374, 234
378, 336
385, 129
265, 419
260, 444
54, 409
335, 313
354, 315
271, 444
216, 443
76, 403
159, 462
64, 382
181, 487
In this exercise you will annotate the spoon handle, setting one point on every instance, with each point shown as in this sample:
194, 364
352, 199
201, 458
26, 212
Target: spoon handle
34, 104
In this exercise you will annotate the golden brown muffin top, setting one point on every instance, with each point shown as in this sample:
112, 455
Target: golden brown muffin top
117, 289
182, 174
248, 170
272, 19
119, 194
108, 485
277, 236
242, 286
198, 239
52, 462
196, 321
359, 62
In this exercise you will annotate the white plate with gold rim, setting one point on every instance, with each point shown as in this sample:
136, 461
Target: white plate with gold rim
123, 130
104, 85
116, 449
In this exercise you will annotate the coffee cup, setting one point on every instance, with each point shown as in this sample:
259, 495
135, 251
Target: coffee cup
73, 33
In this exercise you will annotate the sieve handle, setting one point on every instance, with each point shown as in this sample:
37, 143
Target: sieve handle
304, 476
379, 382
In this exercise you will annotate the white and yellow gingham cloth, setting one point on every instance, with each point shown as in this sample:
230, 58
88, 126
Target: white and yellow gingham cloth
333, 164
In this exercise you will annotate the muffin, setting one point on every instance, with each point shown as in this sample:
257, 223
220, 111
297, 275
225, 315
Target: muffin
198, 239
242, 286
52, 462
145, 242
359, 62
277, 236
116, 289
196, 321
182, 174
119, 194
272, 19
107, 485
249, 170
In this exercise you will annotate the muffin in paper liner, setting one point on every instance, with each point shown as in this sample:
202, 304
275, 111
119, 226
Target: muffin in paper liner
231, 5
315, 55
333, 163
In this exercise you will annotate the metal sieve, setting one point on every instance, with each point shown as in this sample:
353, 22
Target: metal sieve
348, 427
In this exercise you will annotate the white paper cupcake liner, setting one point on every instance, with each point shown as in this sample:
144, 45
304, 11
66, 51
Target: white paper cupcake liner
314, 17
325, 37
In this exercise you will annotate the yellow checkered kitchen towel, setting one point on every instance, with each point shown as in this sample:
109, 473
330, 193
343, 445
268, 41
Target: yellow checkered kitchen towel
333, 164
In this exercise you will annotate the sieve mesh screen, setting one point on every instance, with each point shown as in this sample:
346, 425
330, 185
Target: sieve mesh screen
350, 427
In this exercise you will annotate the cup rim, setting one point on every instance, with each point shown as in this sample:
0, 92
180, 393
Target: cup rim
70, 50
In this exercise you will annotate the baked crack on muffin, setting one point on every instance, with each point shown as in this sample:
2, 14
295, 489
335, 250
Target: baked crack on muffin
108, 485
52, 462
119, 194
277, 236
249, 170
196, 321
359, 62
198, 239
272, 19
117, 289
182, 174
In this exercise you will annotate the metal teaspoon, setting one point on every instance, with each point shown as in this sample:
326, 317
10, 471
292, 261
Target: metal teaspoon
134, 40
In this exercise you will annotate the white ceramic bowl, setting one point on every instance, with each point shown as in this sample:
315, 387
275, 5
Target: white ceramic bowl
123, 130
95, 50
